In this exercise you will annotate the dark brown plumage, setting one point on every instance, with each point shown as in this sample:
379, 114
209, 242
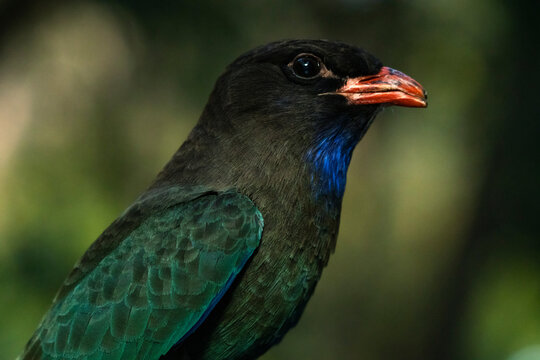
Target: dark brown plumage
218, 259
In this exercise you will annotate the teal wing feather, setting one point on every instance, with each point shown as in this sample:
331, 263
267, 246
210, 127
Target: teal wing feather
156, 284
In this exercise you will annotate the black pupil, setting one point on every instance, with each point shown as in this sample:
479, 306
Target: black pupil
306, 66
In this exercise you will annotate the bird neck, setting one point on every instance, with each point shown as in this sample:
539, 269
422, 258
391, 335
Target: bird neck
329, 159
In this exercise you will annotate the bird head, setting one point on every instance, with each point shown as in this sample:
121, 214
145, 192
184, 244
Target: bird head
312, 84
305, 102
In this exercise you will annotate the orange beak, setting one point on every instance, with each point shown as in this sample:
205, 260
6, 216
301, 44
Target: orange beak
389, 86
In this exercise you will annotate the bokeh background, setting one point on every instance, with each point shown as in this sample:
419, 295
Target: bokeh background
439, 250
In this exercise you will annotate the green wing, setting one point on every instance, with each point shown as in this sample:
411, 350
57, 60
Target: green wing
154, 286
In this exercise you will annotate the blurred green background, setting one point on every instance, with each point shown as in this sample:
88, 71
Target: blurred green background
439, 249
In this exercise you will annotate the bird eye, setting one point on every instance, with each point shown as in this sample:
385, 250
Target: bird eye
306, 66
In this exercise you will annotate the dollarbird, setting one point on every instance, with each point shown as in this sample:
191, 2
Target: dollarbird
219, 257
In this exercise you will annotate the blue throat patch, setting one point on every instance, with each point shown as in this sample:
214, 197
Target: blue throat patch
330, 157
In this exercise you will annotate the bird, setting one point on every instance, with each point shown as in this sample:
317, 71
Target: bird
218, 258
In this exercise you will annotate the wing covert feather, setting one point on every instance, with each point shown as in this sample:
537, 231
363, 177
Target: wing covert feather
156, 285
